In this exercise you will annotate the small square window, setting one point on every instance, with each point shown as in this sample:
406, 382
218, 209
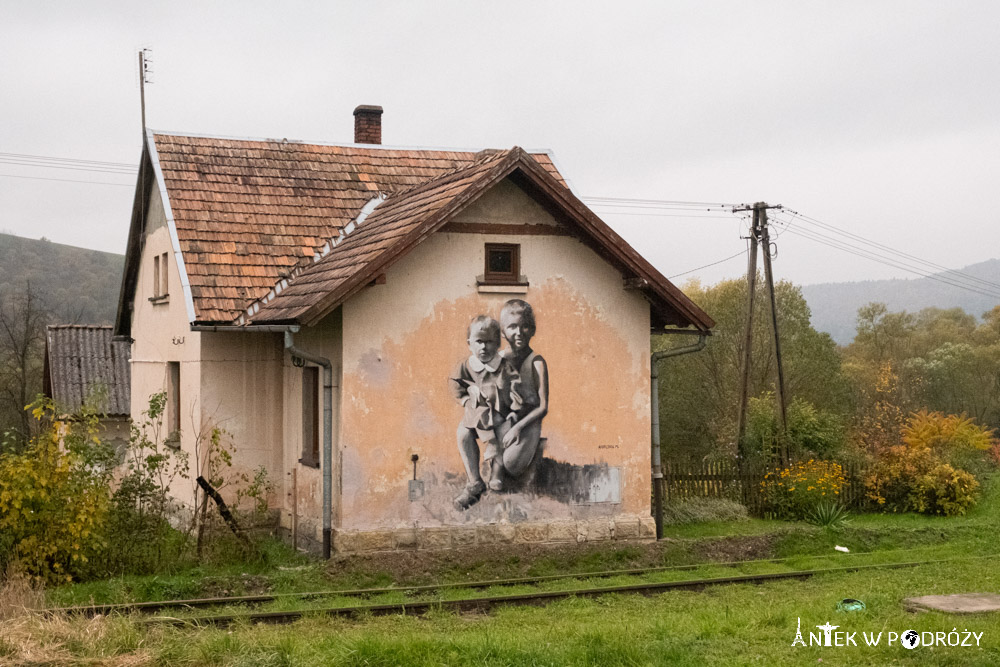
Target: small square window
503, 263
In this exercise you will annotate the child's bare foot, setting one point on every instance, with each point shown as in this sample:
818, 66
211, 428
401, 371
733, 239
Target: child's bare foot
470, 495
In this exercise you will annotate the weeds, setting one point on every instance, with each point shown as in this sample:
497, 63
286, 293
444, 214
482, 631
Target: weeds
828, 514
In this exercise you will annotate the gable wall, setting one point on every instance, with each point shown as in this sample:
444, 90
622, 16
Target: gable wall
161, 333
402, 339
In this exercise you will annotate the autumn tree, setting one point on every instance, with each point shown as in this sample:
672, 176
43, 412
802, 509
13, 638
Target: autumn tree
22, 346
699, 393
944, 359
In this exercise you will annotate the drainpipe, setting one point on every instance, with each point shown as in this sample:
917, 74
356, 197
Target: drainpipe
654, 382
327, 433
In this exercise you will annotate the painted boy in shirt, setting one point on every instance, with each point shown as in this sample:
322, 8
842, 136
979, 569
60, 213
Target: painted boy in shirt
482, 384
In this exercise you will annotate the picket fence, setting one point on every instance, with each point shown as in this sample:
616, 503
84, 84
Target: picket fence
725, 478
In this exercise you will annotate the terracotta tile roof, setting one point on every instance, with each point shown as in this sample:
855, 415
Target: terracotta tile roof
385, 228
248, 212
407, 217
81, 358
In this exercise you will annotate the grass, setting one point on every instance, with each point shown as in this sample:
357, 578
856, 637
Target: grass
727, 625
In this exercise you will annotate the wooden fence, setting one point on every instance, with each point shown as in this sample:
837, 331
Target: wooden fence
725, 478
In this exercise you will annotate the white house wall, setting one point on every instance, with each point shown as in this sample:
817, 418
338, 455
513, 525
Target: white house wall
161, 333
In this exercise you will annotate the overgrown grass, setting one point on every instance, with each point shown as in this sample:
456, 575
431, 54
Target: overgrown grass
730, 625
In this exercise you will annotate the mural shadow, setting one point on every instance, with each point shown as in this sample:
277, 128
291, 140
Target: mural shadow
565, 482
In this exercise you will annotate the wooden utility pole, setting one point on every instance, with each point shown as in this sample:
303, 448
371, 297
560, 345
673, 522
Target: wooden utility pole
766, 242
759, 236
741, 424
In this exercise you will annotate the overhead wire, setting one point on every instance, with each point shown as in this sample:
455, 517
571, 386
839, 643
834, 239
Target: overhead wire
958, 275
684, 273
68, 180
28, 156
887, 261
74, 167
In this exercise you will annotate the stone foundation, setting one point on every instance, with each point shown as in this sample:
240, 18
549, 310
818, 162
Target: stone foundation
618, 529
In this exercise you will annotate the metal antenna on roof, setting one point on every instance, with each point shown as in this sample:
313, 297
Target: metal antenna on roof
145, 76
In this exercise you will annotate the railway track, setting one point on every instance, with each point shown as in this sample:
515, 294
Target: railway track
195, 603
478, 603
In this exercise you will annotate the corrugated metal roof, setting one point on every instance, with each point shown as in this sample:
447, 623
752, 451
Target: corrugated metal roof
80, 359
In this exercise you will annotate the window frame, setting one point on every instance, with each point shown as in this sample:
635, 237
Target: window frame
513, 277
310, 417
173, 404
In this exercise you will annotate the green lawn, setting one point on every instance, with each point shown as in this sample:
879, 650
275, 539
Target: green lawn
726, 625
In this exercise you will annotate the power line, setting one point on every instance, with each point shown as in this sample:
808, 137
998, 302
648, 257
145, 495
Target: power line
74, 167
860, 252
660, 202
955, 280
677, 275
67, 180
68, 160
670, 215
881, 246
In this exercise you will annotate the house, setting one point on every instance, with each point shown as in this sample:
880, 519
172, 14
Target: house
83, 364
311, 297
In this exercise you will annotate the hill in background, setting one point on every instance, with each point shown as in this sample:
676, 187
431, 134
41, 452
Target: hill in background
81, 286
76, 285
835, 305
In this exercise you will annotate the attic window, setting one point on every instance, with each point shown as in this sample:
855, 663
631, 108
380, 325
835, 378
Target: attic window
160, 276
503, 264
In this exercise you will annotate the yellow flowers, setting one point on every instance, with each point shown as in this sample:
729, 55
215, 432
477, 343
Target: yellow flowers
793, 491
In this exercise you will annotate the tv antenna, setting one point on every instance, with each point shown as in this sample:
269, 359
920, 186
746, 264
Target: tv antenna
145, 76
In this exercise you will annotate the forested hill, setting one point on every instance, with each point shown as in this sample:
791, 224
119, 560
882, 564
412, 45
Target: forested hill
75, 285
835, 305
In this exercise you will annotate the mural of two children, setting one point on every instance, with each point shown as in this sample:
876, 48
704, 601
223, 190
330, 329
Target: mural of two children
505, 396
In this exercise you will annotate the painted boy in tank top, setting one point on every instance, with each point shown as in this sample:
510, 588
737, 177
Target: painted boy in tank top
521, 431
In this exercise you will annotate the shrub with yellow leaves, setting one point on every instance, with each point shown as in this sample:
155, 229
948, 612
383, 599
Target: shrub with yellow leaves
925, 473
54, 497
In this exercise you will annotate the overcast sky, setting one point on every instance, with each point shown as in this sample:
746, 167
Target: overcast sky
880, 118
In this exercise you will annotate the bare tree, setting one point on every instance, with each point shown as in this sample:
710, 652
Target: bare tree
22, 346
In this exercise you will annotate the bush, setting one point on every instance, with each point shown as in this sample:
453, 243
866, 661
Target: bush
906, 479
810, 430
140, 537
793, 492
55, 497
925, 474
697, 510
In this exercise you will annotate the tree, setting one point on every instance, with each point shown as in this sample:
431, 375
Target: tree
22, 346
944, 360
699, 393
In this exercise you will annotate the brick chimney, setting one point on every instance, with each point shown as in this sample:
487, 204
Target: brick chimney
368, 124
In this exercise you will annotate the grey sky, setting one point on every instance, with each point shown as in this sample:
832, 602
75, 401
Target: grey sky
879, 117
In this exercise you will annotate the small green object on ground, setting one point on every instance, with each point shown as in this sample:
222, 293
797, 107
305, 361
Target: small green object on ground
850, 604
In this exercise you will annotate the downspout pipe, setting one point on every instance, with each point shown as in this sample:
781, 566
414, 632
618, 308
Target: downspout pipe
654, 382
327, 434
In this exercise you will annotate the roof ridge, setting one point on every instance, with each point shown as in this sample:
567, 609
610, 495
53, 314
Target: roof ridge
339, 144
79, 326
482, 157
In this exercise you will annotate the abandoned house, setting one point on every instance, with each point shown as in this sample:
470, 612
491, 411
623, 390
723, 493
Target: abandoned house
425, 348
